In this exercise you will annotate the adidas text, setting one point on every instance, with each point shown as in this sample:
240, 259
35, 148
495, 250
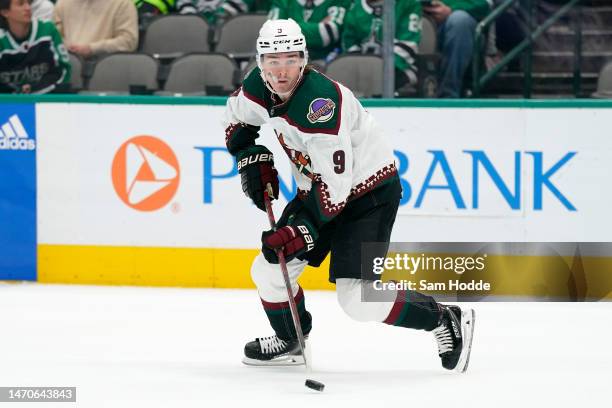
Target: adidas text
13, 136
17, 144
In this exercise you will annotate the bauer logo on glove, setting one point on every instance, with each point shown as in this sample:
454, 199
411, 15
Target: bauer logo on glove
295, 240
256, 168
256, 158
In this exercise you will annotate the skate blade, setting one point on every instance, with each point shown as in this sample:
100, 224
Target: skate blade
284, 361
468, 318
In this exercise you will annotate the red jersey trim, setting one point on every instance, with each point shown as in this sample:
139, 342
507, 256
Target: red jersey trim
255, 99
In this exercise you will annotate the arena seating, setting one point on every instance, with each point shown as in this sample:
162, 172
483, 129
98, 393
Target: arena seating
124, 73
237, 36
604, 83
76, 78
201, 74
361, 73
190, 57
173, 35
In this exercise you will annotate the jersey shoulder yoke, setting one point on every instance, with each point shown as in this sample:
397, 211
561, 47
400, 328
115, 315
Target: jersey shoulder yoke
254, 89
316, 106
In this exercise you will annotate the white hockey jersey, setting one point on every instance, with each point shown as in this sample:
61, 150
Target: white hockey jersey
338, 150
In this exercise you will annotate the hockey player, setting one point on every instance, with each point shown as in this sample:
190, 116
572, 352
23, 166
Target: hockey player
321, 22
348, 193
33, 58
363, 34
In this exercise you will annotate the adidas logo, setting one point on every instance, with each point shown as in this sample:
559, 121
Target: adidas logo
13, 136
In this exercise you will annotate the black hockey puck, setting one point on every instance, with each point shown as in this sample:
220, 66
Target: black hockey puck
315, 385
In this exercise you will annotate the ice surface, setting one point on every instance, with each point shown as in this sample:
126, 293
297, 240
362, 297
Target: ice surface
170, 347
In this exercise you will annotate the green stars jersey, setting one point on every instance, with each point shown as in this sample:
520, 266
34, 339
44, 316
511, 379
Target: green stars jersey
363, 32
40, 61
321, 22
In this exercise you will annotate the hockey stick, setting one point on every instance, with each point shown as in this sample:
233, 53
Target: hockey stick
283, 265
312, 384
315, 385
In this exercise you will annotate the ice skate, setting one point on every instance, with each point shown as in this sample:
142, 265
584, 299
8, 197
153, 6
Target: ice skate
454, 336
273, 351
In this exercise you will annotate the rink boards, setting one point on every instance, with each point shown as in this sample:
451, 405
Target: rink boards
145, 193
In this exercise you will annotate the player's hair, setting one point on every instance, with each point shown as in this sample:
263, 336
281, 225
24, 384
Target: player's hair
310, 67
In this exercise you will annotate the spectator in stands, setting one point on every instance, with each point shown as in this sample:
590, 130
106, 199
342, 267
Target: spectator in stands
94, 27
147, 10
321, 22
42, 10
507, 31
216, 11
510, 29
456, 20
362, 33
32, 56
155, 7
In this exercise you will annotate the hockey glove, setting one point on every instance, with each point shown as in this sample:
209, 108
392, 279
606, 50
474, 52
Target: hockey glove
256, 168
240, 136
295, 240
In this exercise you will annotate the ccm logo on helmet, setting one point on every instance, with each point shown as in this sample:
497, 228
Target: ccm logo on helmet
258, 158
281, 42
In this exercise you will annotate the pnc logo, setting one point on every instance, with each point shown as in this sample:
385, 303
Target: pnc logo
145, 173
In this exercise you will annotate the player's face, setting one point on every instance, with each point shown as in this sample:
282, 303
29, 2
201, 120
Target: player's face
20, 11
282, 70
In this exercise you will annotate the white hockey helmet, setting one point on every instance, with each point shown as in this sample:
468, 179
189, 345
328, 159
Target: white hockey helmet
280, 36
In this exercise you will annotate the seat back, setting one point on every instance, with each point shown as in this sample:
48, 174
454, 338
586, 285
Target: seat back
362, 74
604, 82
238, 35
76, 76
176, 34
116, 72
429, 37
194, 72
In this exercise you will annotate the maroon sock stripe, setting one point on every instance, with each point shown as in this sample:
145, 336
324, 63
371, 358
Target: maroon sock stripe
283, 305
398, 306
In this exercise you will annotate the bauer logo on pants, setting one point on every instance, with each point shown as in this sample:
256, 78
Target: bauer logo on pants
145, 173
